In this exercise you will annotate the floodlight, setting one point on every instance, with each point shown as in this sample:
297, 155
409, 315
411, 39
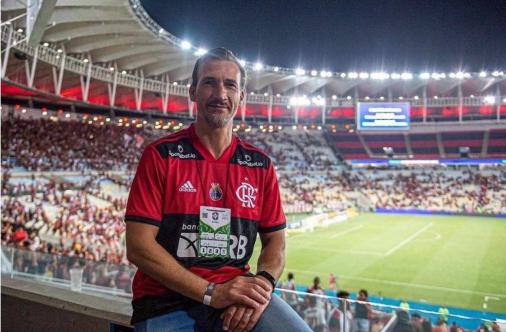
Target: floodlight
353, 75
258, 66
406, 76
186, 45
300, 71
200, 51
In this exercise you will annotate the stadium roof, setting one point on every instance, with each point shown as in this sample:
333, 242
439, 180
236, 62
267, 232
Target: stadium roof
120, 34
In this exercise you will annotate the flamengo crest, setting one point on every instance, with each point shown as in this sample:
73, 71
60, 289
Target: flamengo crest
246, 193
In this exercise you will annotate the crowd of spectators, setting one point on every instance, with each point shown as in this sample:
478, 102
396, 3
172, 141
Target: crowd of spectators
463, 191
344, 314
46, 145
61, 218
294, 148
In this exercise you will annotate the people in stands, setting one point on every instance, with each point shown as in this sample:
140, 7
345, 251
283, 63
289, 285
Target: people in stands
289, 296
363, 312
341, 317
403, 323
314, 314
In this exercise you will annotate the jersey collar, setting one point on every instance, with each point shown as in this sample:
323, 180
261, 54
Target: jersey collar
226, 155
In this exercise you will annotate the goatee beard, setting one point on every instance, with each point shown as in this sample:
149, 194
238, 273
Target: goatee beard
217, 120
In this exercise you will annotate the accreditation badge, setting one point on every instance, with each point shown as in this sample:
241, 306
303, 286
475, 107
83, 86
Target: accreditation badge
214, 232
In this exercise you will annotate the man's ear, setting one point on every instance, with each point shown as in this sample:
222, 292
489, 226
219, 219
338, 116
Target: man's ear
192, 92
242, 95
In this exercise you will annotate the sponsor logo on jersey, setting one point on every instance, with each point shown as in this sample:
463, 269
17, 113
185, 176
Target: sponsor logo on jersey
187, 187
180, 153
215, 193
247, 162
246, 193
188, 244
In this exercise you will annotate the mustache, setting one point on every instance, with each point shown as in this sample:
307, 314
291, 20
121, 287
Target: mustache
218, 103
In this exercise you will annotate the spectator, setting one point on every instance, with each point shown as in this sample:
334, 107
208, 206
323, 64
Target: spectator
363, 312
403, 324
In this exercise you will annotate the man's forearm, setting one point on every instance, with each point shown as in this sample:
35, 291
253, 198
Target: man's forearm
156, 262
272, 255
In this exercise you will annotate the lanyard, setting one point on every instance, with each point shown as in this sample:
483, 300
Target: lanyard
204, 189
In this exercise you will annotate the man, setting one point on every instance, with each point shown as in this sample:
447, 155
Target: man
290, 296
443, 313
363, 312
197, 202
340, 317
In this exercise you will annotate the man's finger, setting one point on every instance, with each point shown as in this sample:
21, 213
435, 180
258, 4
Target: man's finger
250, 299
237, 317
261, 281
245, 319
227, 316
257, 294
253, 319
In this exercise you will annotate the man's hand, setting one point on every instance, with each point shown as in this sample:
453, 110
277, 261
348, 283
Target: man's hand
238, 318
247, 291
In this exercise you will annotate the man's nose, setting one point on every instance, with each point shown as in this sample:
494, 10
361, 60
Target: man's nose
220, 91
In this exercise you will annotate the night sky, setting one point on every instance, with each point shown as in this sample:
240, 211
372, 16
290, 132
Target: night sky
345, 35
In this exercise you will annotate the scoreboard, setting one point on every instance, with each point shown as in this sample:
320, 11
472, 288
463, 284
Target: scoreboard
383, 116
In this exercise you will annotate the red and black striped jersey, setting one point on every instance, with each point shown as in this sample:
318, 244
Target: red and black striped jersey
175, 176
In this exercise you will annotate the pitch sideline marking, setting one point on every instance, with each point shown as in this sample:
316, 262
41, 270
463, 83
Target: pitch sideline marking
346, 231
401, 283
334, 251
407, 240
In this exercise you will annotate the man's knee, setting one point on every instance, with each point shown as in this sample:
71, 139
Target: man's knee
279, 316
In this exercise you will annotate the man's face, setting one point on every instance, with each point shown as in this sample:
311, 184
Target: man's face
218, 93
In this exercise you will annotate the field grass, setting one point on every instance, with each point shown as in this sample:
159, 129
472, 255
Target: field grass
451, 260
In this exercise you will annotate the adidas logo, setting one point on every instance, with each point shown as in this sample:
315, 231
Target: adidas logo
187, 187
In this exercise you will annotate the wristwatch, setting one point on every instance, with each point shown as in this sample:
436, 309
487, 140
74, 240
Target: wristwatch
208, 295
269, 277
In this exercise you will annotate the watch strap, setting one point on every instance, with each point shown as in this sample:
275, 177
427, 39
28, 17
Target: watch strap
208, 295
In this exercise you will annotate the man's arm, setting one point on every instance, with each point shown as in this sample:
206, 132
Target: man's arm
272, 255
144, 251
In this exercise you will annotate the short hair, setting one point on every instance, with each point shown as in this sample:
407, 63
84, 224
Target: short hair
290, 275
363, 291
219, 53
343, 294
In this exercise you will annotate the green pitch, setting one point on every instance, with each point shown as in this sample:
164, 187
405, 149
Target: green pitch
451, 260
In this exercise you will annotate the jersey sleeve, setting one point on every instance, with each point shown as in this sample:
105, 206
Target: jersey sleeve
272, 216
146, 193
